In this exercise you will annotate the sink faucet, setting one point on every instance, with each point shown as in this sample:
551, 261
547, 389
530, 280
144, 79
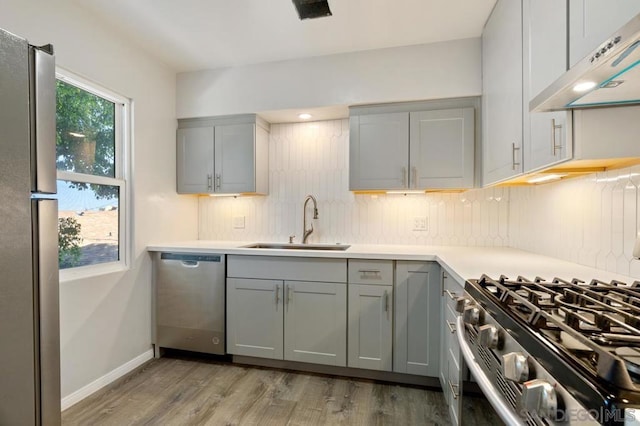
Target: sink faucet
306, 232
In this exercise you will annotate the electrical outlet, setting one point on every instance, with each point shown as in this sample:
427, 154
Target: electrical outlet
238, 222
420, 223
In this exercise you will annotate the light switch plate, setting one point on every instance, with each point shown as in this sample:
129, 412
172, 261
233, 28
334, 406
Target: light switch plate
238, 222
420, 223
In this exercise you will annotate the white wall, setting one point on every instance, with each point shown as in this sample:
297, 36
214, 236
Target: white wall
106, 320
312, 158
429, 71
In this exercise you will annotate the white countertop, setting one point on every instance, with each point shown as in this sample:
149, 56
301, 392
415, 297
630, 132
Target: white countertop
461, 263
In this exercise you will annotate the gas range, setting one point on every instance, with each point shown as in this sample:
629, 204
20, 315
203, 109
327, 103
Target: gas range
554, 352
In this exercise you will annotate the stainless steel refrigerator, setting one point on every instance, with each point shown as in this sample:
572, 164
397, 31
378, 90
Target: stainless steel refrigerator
29, 308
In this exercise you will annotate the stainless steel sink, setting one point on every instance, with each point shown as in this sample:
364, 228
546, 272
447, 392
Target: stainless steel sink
292, 246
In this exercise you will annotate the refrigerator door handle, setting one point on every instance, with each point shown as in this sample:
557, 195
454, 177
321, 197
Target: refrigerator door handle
42, 93
44, 213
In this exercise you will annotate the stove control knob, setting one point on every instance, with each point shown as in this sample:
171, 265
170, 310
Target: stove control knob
489, 336
539, 397
471, 315
461, 303
515, 367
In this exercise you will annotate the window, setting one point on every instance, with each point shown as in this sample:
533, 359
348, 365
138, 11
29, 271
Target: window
91, 142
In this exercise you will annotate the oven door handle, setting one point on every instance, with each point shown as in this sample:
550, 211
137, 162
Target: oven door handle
493, 395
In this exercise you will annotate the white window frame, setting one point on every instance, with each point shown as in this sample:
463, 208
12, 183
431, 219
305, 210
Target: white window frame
123, 143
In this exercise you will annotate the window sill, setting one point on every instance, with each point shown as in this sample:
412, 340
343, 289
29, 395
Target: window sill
83, 272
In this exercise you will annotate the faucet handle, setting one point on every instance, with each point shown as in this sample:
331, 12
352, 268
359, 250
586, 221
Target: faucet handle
291, 237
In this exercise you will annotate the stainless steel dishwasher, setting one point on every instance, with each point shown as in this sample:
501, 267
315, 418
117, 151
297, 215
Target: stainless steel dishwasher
189, 300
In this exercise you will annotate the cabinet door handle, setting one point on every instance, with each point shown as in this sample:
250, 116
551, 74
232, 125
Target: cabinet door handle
414, 171
209, 182
218, 180
444, 277
386, 301
404, 177
554, 128
289, 295
454, 390
277, 295
514, 148
452, 296
452, 326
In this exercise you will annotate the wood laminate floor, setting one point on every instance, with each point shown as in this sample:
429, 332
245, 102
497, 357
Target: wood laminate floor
184, 390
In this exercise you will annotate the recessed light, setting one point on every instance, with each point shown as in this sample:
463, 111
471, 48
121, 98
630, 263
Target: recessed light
584, 86
304, 116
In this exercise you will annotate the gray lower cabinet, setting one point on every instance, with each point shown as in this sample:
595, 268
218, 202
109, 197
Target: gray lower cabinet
255, 317
275, 311
370, 327
417, 318
315, 318
451, 368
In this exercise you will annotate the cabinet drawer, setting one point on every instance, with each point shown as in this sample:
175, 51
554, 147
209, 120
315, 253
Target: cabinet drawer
452, 338
378, 272
452, 290
287, 268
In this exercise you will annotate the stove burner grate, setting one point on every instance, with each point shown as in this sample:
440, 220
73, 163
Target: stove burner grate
595, 324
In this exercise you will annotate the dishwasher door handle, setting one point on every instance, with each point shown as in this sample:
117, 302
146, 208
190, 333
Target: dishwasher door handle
190, 263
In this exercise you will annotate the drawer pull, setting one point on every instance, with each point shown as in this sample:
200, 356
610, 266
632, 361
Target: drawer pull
370, 274
454, 390
452, 296
452, 327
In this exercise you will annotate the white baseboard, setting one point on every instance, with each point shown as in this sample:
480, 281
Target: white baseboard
103, 381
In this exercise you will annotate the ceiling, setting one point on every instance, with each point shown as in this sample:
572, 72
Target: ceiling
191, 35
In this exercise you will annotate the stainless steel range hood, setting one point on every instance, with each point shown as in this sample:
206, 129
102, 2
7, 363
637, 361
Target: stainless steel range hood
609, 76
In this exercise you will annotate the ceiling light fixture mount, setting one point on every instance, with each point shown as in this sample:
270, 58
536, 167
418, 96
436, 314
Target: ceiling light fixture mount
304, 116
311, 9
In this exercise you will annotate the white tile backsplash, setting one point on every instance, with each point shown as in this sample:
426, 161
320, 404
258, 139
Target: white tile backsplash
592, 220
312, 158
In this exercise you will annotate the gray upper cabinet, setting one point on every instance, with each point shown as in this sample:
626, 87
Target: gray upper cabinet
417, 145
195, 160
591, 22
547, 136
234, 152
417, 318
379, 151
441, 148
222, 155
502, 93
